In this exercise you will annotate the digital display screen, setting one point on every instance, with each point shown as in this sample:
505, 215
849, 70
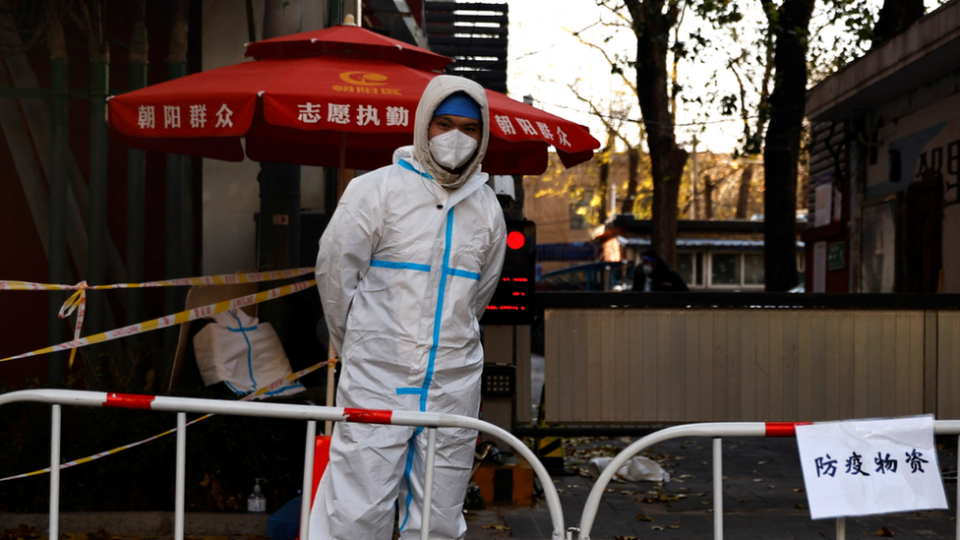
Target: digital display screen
512, 303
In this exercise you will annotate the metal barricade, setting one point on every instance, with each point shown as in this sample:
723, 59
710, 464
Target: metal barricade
310, 414
716, 431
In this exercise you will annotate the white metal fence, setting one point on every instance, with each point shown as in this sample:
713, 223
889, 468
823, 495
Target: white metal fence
716, 431
431, 421
310, 414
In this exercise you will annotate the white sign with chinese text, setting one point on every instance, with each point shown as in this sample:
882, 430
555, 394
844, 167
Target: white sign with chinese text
864, 467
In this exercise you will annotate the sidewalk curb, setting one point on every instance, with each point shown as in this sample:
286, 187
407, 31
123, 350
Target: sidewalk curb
143, 523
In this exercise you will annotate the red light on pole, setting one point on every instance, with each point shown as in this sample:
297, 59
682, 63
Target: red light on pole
515, 240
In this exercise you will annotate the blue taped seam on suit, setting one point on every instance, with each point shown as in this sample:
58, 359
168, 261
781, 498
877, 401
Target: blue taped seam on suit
243, 331
399, 265
408, 391
408, 467
428, 378
406, 165
464, 273
438, 315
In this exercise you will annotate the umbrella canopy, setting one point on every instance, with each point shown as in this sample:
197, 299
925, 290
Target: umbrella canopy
362, 44
351, 107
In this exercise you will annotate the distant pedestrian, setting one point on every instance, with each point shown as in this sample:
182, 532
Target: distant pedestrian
653, 275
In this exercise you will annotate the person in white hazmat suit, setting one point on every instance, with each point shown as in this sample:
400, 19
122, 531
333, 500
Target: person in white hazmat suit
406, 267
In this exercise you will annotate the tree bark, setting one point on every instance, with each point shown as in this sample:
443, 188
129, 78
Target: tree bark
743, 196
652, 21
781, 152
708, 197
633, 173
603, 188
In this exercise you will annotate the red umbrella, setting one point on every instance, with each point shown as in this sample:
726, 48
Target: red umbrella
342, 96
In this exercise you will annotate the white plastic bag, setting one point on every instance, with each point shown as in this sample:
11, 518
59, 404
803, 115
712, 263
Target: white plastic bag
636, 469
238, 350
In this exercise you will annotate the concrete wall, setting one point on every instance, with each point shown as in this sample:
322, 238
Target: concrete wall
231, 193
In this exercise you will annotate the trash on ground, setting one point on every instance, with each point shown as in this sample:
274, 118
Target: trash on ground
636, 469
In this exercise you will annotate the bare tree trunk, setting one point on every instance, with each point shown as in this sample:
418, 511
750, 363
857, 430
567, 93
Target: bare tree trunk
603, 188
782, 149
708, 186
743, 196
652, 25
633, 162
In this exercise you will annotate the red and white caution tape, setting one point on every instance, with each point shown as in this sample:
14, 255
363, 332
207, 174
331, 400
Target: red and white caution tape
78, 301
279, 383
172, 320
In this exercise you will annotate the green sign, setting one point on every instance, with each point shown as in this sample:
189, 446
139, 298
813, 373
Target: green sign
835, 256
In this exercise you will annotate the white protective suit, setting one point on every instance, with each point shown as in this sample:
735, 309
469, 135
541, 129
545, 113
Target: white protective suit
405, 270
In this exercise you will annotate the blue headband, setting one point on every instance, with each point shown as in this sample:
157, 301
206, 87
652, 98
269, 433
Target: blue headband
459, 104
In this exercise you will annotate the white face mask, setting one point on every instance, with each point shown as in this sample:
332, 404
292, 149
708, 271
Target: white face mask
452, 149
647, 269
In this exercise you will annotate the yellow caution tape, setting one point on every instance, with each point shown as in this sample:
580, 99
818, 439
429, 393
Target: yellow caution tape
78, 301
259, 393
222, 279
172, 320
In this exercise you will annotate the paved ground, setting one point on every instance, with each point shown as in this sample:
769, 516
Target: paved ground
763, 498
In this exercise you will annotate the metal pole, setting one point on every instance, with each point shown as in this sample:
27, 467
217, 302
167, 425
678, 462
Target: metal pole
179, 245
428, 483
97, 260
718, 488
181, 474
59, 270
55, 472
331, 371
307, 494
136, 194
841, 528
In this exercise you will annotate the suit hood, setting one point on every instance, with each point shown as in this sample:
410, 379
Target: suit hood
437, 91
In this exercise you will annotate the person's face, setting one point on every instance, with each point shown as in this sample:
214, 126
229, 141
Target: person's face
444, 123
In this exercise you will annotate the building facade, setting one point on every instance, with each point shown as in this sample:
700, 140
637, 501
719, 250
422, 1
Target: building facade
885, 161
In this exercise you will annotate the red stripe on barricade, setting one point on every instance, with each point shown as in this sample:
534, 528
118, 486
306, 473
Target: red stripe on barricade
368, 416
783, 429
128, 401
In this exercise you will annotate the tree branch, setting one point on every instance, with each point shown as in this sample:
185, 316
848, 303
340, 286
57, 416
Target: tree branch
609, 60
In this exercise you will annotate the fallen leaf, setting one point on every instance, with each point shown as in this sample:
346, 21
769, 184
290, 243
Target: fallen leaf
758, 479
673, 526
656, 528
561, 491
644, 517
801, 506
798, 490
705, 502
621, 537
761, 463
496, 527
884, 532
771, 486
610, 490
